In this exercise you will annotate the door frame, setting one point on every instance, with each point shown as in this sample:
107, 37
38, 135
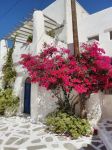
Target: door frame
28, 110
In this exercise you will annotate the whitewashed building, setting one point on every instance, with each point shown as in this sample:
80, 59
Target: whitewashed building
34, 100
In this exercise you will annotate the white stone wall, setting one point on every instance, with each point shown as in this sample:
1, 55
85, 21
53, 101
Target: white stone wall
39, 35
88, 25
19, 49
42, 103
98, 24
94, 107
107, 107
57, 11
3, 54
60, 11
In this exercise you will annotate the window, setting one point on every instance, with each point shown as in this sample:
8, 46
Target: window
94, 38
110, 35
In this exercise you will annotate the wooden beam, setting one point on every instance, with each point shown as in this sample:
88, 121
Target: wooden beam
20, 41
20, 33
21, 38
75, 29
48, 27
54, 24
27, 32
27, 28
50, 19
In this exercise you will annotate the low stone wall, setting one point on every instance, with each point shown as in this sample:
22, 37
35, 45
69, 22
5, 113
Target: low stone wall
99, 107
42, 103
94, 108
107, 107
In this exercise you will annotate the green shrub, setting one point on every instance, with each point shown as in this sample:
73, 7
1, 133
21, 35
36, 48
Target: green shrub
8, 101
51, 33
9, 72
63, 123
30, 38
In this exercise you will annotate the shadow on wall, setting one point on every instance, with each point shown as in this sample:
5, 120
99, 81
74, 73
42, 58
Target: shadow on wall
42, 103
107, 107
70, 46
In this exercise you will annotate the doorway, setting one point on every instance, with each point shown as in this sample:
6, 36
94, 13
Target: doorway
27, 96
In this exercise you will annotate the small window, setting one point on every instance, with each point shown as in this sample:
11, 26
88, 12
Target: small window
110, 35
94, 38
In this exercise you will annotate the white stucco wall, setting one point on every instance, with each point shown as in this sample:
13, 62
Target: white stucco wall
81, 13
56, 11
39, 35
88, 25
60, 11
3, 52
98, 24
107, 107
94, 107
42, 103
20, 48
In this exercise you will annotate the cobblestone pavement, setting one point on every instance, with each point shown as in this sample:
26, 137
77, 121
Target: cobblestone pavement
19, 134
106, 127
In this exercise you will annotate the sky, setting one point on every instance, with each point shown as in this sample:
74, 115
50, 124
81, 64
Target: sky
93, 6
12, 12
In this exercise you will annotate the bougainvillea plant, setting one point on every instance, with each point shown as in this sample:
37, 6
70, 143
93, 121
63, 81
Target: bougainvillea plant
59, 71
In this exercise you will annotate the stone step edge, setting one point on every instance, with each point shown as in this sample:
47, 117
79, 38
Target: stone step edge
104, 138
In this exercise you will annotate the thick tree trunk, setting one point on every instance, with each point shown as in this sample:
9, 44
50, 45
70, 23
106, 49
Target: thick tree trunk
67, 106
83, 111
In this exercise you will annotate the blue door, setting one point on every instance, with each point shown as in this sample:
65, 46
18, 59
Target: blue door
27, 96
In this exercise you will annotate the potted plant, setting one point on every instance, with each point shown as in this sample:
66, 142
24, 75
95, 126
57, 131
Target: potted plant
30, 39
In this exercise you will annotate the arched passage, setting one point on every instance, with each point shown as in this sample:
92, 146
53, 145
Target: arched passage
27, 96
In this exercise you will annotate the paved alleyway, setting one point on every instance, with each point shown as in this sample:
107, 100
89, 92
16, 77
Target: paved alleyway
106, 132
19, 134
